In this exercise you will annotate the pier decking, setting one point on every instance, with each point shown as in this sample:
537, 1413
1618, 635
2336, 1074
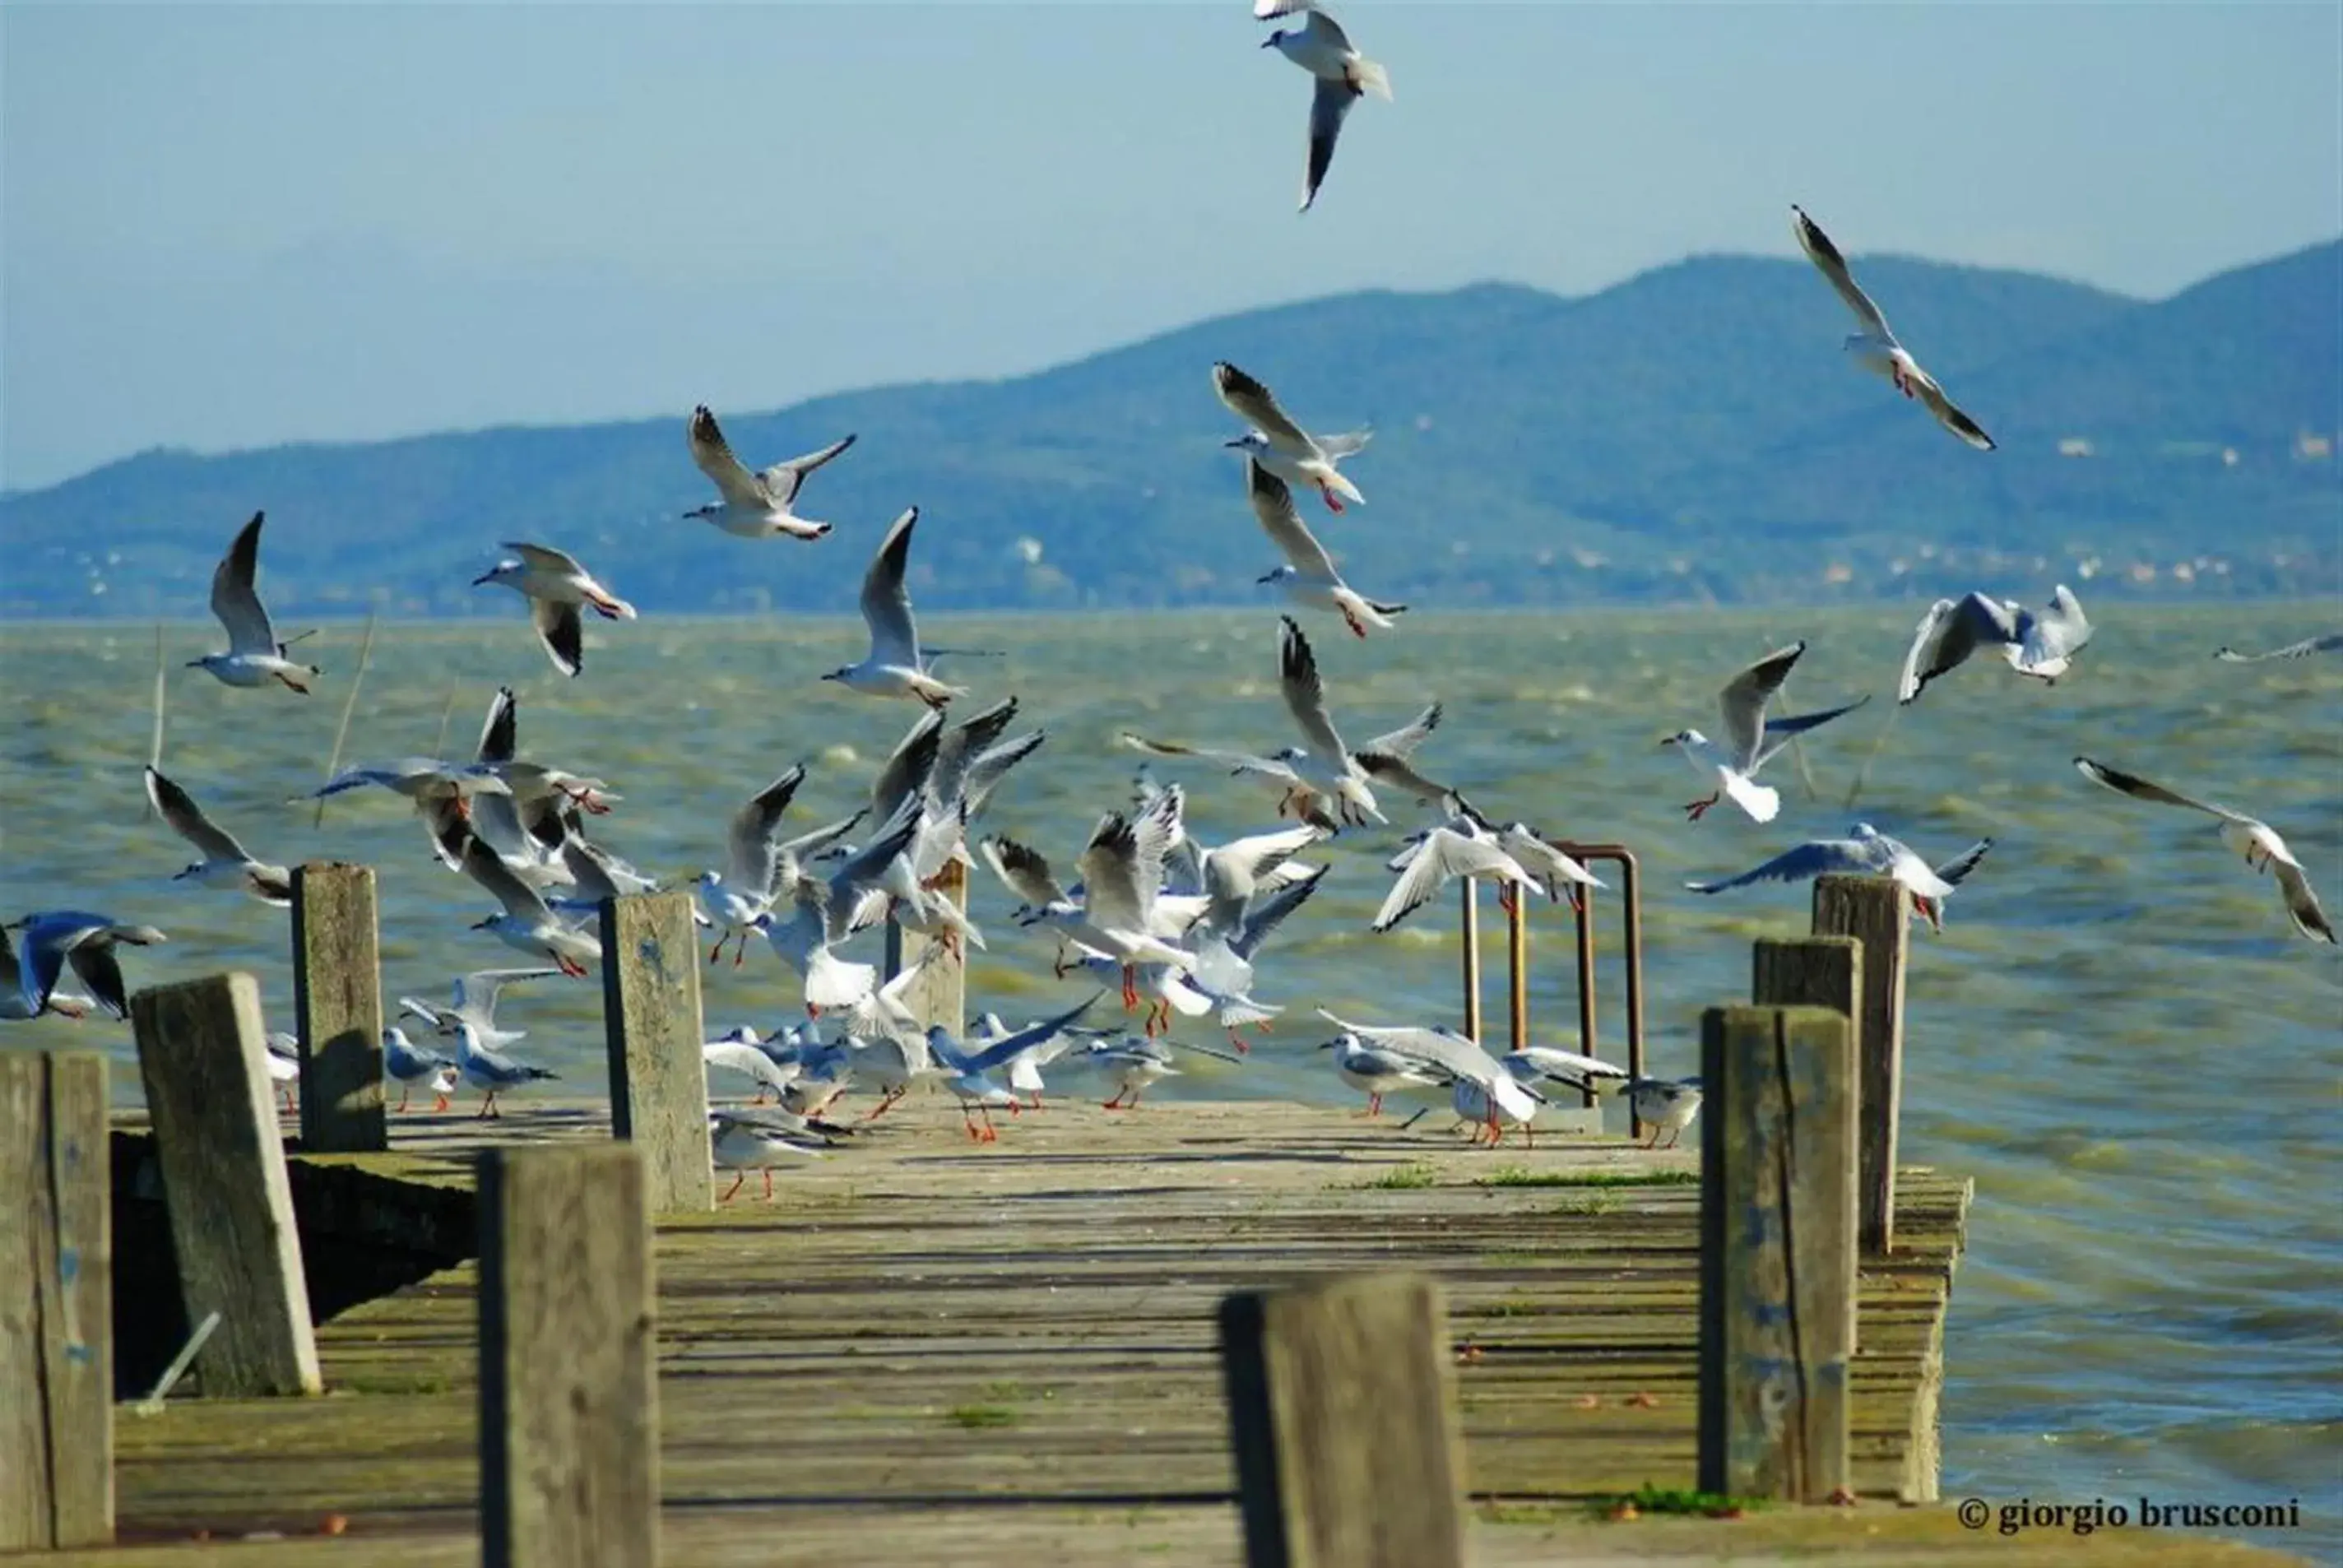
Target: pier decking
923, 1350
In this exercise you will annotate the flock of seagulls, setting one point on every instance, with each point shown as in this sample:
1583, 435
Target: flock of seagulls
1175, 928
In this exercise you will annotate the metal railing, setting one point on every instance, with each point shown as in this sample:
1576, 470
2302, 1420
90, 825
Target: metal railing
1517, 954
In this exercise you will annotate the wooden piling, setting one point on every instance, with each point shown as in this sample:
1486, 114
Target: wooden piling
1811, 971
1517, 973
940, 994
1877, 911
1777, 1271
651, 1020
338, 1008
203, 1059
57, 1332
1342, 1417
569, 1398
1468, 905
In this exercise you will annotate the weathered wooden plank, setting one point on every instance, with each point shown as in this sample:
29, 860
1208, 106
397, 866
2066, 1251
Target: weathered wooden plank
569, 1422
57, 1371
1468, 944
651, 1009
1777, 1299
203, 1060
338, 1006
1876, 911
1342, 1417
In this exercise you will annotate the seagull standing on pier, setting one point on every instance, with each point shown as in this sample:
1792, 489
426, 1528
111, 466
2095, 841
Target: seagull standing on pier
1751, 739
490, 1071
407, 1065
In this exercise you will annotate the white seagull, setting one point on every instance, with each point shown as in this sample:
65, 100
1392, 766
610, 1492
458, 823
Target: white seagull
490, 1071
1440, 855
526, 922
755, 506
56, 937
253, 655
226, 862
1874, 347
474, 1001
2255, 839
1750, 737
1283, 447
1308, 575
1453, 1058
1121, 872
1375, 1073
740, 1052
409, 1065
15, 1001
554, 585
737, 895
1321, 48
895, 666
1865, 852
2040, 646
2330, 643
1663, 1105
743, 1141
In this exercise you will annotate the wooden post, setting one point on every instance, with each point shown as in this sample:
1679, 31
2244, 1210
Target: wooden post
651, 1021
1342, 1417
1811, 971
1778, 1251
338, 1008
1469, 929
202, 1057
569, 1398
940, 994
1877, 911
1517, 971
56, 1324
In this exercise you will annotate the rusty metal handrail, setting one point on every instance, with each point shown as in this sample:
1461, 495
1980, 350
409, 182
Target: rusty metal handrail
1517, 945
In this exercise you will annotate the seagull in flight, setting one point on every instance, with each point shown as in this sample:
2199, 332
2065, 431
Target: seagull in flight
2041, 645
754, 505
2331, 643
1321, 47
1874, 347
1283, 447
894, 667
1307, 575
253, 655
1750, 737
226, 862
1865, 852
2255, 839
526, 922
56, 937
554, 585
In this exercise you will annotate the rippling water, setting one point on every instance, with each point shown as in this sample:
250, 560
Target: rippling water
2119, 1035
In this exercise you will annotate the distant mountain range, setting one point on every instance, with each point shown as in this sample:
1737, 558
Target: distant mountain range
1693, 433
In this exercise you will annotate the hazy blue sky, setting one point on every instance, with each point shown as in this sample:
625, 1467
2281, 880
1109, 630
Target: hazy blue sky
225, 226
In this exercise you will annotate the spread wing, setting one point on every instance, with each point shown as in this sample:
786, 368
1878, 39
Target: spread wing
562, 632
1306, 695
908, 768
1440, 857
546, 558
501, 734
178, 808
1949, 414
2303, 649
1953, 872
2058, 632
1947, 635
234, 599
1272, 504
752, 849
1809, 859
2301, 903
1329, 107
1827, 256
1024, 871
1031, 1036
1780, 732
783, 480
886, 602
1235, 761
476, 994
1743, 702
487, 867
2139, 789
713, 454
1254, 404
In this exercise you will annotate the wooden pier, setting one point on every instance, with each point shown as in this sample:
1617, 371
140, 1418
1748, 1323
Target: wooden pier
1196, 1334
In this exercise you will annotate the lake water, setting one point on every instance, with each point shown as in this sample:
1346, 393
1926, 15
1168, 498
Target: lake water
2119, 1034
